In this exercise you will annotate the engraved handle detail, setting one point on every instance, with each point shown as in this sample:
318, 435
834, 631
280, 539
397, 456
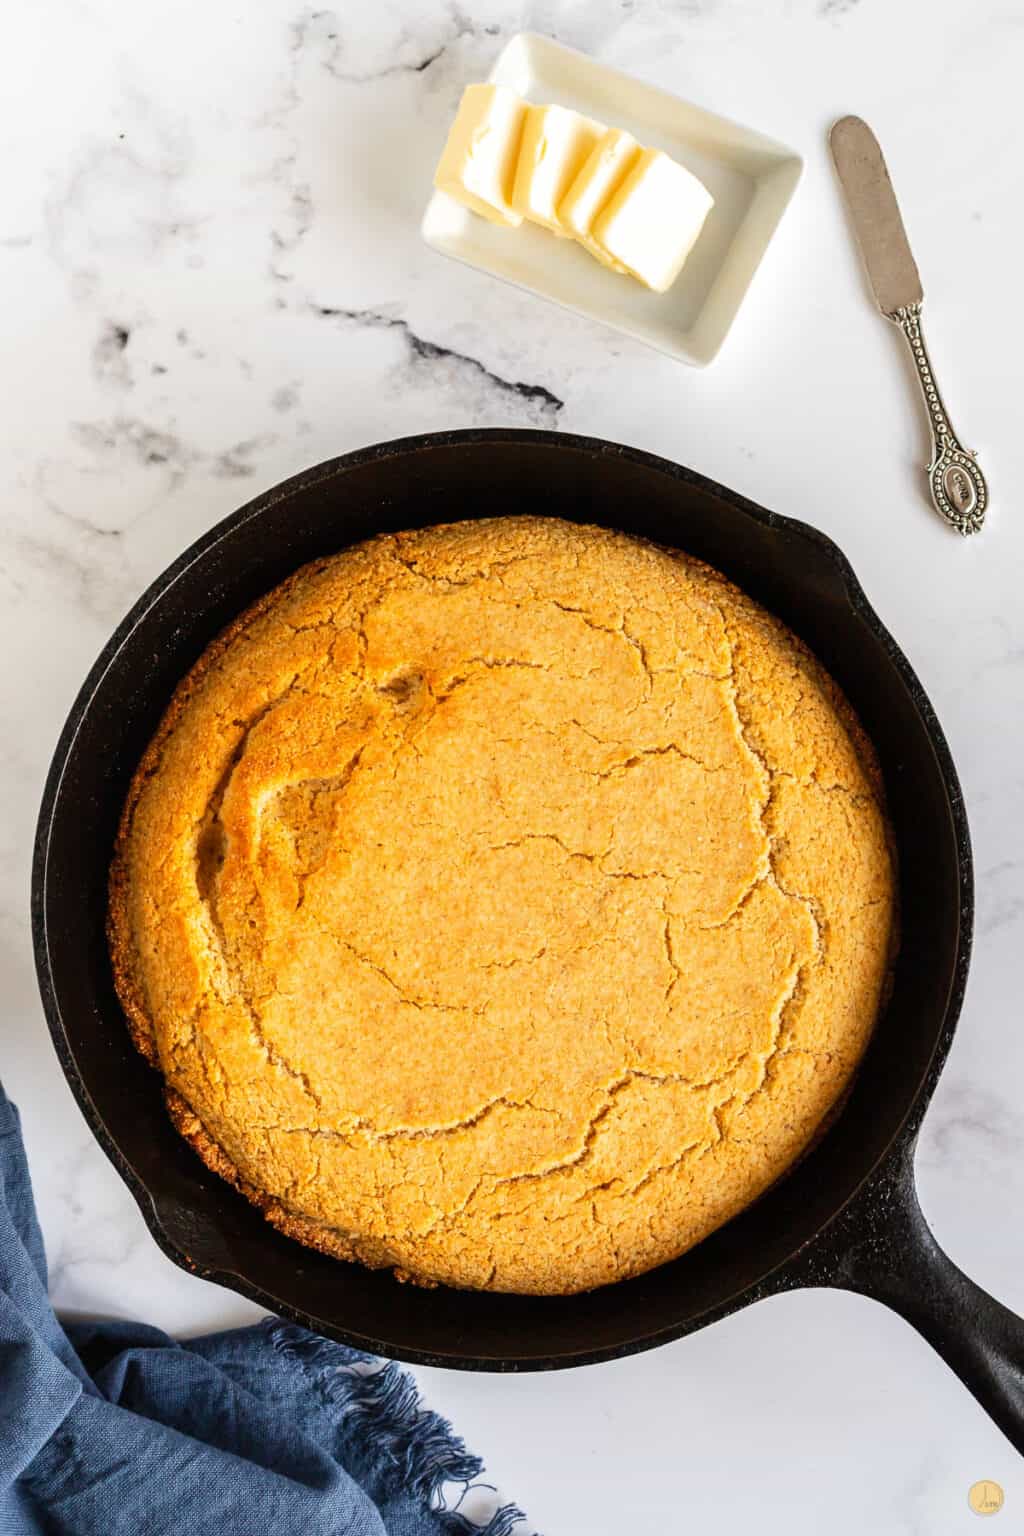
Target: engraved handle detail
956, 483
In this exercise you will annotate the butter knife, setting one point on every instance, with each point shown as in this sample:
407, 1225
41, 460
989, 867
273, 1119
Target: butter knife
957, 485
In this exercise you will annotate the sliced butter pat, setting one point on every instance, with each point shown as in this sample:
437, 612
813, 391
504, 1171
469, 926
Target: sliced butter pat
602, 173
555, 144
651, 223
478, 165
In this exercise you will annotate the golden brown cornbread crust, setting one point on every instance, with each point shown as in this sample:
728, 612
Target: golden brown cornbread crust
507, 902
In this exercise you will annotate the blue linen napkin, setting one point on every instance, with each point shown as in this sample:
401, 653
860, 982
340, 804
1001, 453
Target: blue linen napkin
115, 1429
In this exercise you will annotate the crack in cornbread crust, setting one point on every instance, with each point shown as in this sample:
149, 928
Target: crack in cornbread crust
508, 903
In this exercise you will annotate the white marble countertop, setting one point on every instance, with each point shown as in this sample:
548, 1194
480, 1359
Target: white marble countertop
211, 276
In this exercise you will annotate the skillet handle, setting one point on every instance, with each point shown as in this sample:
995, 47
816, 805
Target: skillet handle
896, 1260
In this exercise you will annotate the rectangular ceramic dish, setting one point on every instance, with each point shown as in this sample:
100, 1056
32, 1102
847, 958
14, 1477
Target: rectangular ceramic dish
751, 178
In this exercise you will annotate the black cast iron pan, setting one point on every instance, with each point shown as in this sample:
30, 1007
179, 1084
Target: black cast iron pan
848, 1216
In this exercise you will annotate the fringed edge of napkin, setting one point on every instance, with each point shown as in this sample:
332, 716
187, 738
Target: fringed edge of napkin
407, 1438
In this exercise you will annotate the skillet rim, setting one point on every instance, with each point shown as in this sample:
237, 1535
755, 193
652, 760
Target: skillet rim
810, 1261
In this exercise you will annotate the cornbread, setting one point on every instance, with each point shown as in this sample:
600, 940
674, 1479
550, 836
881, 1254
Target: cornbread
508, 903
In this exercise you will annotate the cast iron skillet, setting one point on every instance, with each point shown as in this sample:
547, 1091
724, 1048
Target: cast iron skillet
848, 1216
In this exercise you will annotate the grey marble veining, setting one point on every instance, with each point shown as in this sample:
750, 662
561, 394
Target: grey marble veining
211, 277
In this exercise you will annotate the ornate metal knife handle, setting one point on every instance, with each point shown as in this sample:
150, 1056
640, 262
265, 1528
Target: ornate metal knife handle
956, 483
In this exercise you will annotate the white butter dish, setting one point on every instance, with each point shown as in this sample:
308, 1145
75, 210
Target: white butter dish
750, 177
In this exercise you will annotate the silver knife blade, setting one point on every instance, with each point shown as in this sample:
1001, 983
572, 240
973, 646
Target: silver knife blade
877, 223
958, 488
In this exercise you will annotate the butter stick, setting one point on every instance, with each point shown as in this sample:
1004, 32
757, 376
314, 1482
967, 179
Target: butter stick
651, 222
602, 173
555, 144
478, 164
